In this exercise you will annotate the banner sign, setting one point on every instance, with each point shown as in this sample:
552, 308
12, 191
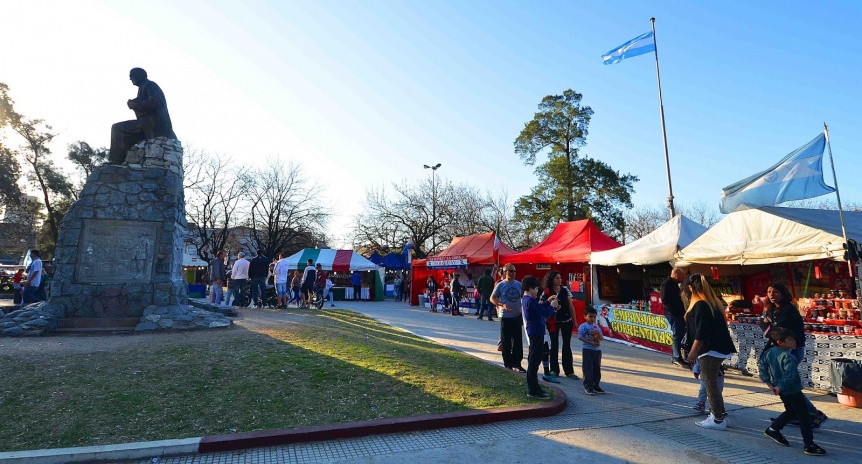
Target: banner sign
447, 262
639, 327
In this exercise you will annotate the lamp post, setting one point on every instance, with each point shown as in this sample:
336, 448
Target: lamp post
433, 200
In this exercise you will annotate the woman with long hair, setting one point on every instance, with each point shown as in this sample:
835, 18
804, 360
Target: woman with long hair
560, 324
711, 344
781, 312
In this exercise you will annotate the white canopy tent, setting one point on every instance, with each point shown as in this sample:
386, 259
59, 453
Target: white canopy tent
660, 245
773, 235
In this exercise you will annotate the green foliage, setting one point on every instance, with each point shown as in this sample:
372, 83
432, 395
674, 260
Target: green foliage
571, 186
86, 157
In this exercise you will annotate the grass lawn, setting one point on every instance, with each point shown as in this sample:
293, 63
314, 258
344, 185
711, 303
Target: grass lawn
289, 369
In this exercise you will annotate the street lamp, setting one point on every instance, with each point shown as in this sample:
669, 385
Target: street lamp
433, 200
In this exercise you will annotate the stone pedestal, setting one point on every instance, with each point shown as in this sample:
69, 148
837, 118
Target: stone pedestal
120, 245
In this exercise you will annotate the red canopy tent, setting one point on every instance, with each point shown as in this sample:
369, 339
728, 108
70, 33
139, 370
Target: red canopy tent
479, 250
566, 250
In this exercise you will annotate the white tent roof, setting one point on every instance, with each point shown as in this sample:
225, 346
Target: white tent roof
773, 235
656, 247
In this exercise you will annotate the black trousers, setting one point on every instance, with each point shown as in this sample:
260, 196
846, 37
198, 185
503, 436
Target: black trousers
795, 406
591, 362
511, 336
537, 346
564, 329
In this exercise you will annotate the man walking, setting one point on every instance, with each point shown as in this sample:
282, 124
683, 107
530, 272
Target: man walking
507, 298
485, 285
674, 312
218, 278
257, 271
34, 278
309, 276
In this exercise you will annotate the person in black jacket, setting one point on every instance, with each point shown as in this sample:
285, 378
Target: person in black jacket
674, 312
257, 270
780, 312
711, 344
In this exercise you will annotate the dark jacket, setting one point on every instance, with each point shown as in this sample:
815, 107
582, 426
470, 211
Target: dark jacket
671, 299
217, 270
787, 317
258, 267
708, 325
535, 314
564, 314
485, 286
778, 368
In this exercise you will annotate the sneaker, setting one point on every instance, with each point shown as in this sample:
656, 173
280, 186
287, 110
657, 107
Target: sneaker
539, 396
548, 378
699, 407
589, 391
818, 419
519, 369
598, 390
814, 450
573, 376
710, 423
776, 436
681, 363
553, 374
332, 306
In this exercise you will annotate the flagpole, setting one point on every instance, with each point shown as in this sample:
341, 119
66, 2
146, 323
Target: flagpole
840, 209
663, 132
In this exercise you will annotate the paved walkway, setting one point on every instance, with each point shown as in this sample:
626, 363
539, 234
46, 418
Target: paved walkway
645, 417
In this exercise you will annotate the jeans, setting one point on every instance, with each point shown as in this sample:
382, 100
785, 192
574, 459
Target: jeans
794, 406
357, 292
564, 329
534, 358
235, 292
799, 353
591, 363
216, 293
485, 304
258, 290
511, 336
677, 327
30, 295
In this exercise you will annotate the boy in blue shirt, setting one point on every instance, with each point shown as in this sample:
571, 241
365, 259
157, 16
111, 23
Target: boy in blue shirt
535, 314
779, 369
591, 335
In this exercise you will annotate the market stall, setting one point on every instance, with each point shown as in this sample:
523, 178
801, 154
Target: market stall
628, 279
472, 253
567, 250
342, 263
802, 248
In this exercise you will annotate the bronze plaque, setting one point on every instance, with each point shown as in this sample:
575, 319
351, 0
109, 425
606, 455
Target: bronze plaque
112, 251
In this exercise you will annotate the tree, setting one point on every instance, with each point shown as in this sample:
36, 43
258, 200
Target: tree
86, 157
286, 210
10, 173
571, 186
214, 189
639, 222
35, 153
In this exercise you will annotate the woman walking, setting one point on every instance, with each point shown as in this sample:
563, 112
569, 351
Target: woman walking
711, 344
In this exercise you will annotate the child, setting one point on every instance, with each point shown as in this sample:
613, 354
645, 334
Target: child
778, 369
591, 335
700, 406
535, 314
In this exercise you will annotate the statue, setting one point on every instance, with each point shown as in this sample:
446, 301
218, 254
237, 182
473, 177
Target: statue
151, 111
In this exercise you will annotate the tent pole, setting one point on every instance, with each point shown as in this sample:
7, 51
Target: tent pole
841, 211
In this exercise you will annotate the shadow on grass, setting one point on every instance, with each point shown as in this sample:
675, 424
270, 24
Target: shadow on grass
313, 368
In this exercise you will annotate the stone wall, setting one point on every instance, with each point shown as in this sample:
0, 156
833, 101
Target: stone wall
120, 245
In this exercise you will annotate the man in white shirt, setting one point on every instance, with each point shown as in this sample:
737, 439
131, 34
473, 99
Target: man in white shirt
34, 278
281, 270
238, 279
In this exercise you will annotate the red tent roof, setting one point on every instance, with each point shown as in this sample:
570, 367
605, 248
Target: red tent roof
478, 248
569, 242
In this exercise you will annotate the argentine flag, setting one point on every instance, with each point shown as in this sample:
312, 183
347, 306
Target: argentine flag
637, 46
796, 177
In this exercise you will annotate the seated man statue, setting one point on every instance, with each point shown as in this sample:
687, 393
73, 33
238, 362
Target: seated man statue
151, 111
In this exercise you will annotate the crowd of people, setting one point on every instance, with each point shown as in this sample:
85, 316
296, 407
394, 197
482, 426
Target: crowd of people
543, 311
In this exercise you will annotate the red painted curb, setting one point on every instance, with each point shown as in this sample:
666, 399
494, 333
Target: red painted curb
236, 441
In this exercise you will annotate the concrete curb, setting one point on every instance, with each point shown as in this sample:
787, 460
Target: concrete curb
381, 426
238, 441
139, 450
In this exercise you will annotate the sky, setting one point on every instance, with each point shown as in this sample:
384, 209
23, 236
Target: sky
363, 93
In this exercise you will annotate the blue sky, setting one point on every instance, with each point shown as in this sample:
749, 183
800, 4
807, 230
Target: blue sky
364, 93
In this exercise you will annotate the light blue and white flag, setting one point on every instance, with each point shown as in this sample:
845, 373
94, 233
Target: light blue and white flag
637, 46
796, 177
